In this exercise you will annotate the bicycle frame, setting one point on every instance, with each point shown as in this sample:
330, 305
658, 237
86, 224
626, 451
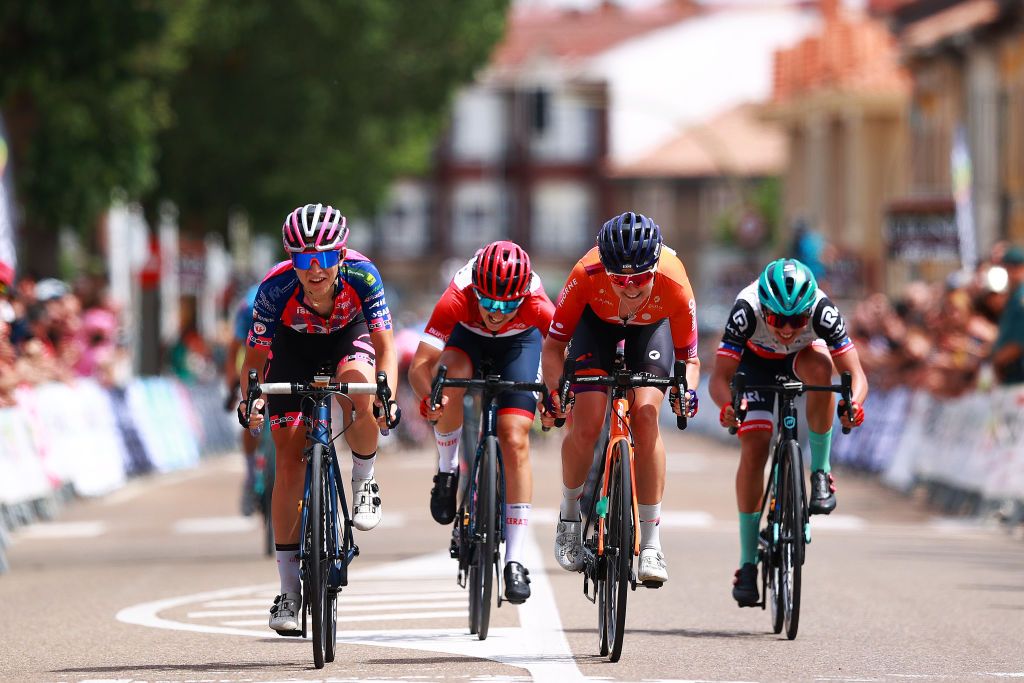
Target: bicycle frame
477, 535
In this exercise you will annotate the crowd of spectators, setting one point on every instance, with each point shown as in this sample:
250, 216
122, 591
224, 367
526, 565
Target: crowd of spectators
51, 331
945, 337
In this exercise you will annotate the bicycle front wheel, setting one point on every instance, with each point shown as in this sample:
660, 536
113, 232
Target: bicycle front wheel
792, 535
484, 536
618, 550
315, 557
331, 536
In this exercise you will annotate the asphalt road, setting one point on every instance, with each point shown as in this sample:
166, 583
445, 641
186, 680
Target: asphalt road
164, 581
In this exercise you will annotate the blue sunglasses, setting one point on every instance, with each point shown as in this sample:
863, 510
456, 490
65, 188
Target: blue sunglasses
327, 259
498, 306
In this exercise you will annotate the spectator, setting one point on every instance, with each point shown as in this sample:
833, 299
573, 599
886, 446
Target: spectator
1008, 351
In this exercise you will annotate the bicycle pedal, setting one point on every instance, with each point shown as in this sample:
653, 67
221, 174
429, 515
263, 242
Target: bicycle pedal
290, 634
651, 584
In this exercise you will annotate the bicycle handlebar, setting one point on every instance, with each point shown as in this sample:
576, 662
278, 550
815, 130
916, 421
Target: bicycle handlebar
492, 383
380, 389
794, 388
623, 379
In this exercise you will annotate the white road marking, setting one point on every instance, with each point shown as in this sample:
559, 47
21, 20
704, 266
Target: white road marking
835, 522
537, 645
58, 530
342, 607
350, 598
440, 614
216, 525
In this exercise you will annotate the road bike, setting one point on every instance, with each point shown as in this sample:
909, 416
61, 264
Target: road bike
480, 520
782, 541
610, 541
327, 546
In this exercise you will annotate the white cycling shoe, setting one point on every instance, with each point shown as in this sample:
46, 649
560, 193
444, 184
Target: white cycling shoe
366, 508
569, 545
652, 566
284, 615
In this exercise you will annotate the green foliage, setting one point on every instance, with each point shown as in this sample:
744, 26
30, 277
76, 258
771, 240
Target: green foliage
314, 100
82, 94
766, 199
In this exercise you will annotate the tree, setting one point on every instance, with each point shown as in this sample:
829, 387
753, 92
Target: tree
82, 91
314, 100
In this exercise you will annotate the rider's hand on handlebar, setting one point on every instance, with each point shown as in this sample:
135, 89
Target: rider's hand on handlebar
393, 411
727, 416
547, 417
687, 407
257, 414
554, 406
858, 414
429, 412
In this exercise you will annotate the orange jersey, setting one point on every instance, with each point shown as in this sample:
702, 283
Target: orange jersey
671, 297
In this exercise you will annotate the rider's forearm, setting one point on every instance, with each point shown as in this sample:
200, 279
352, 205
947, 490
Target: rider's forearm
255, 359
552, 360
693, 373
421, 370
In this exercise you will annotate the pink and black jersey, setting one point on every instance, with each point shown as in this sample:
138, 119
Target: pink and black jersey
459, 306
359, 296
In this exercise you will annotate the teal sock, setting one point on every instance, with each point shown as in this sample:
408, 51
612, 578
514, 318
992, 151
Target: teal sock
821, 445
748, 537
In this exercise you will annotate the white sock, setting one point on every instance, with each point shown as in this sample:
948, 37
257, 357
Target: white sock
448, 449
288, 570
517, 519
650, 526
569, 510
362, 466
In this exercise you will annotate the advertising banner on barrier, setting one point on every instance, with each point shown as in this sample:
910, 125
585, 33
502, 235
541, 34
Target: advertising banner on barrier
22, 476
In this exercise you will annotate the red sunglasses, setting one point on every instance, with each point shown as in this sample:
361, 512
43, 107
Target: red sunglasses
636, 279
778, 320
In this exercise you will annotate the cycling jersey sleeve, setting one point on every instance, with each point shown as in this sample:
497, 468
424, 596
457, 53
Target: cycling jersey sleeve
739, 328
571, 303
538, 311
269, 305
452, 308
828, 324
683, 324
365, 279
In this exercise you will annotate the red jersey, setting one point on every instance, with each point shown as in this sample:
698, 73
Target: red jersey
671, 297
459, 306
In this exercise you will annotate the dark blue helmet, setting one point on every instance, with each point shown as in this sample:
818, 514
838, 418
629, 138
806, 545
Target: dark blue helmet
630, 243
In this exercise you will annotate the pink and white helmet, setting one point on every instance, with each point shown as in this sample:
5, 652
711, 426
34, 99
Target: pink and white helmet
314, 226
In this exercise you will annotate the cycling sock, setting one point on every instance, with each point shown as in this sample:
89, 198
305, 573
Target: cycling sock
569, 510
517, 519
748, 537
650, 525
821, 445
288, 567
448, 449
362, 465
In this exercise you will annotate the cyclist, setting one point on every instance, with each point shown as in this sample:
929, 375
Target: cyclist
324, 306
232, 364
630, 288
495, 307
782, 326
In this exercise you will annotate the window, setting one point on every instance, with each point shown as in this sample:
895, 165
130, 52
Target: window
563, 218
405, 221
478, 216
479, 126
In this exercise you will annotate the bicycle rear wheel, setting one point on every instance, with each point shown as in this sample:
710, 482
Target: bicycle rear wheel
315, 559
792, 534
618, 550
482, 571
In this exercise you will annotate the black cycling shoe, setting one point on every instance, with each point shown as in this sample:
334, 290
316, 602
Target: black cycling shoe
442, 497
744, 585
517, 583
823, 493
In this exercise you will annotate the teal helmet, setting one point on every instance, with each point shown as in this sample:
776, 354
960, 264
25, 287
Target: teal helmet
786, 287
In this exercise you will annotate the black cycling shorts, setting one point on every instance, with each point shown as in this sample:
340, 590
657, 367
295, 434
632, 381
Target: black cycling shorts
297, 356
515, 358
648, 348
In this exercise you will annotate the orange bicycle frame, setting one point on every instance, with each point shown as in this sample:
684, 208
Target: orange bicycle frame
618, 431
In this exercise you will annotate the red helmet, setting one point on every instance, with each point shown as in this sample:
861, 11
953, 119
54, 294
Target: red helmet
502, 271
